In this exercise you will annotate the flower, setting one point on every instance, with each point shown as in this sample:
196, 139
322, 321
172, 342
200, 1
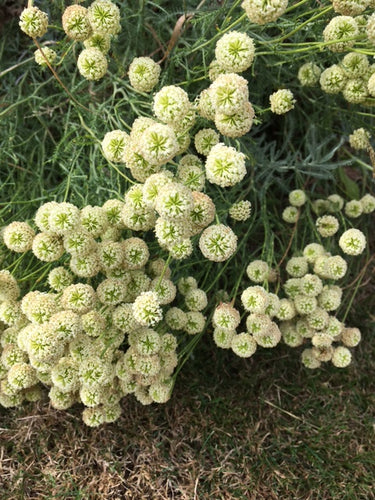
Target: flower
318, 319
333, 79
144, 74
355, 65
311, 285
268, 338
286, 310
111, 291
336, 267
226, 317
342, 31
351, 337
204, 105
174, 201
223, 338
98, 41
39, 306
309, 74
41, 218
305, 304
18, 237
158, 144
350, 7
76, 23
282, 101
195, 322
290, 214
205, 140
243, 344
94, 323
165, 289
371, 85
355, 90
64, 375
176, 318
171, 104
63, 218
113, 145
104, 17
79, 298
336, 202
146, 309
22, 376
85, 265
34, 22
161, 391
225, 166
370, 28
353, 209
341, 357
191, 176
202, 213
218, 243
48, 53
255, 299
196, 300
261, 12
368, 203
135, 253
297, 267
309, 359
312, 251
327, 225
359, 139
240, 211
235, 52
229, 93
92, 64
47, 247
330, 298
352, 242
9, 289
235, 124
297, 198
257, 271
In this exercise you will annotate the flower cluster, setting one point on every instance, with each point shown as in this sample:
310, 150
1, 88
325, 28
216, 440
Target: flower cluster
94, 344
353, 77
93, 26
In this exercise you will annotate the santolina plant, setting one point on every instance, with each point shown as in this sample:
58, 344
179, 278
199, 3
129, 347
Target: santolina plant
106, 300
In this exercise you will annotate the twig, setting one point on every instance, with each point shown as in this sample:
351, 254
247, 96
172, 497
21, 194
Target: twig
290, 241
57, 76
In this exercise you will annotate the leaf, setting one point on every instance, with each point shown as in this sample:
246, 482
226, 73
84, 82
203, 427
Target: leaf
350, 187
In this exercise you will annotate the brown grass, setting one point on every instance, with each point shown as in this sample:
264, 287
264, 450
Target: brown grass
246, 433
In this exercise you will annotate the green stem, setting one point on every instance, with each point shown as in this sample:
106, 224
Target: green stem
218, 35
301, 26
295, 6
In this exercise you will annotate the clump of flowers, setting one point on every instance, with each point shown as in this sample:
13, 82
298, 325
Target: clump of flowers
115, 305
